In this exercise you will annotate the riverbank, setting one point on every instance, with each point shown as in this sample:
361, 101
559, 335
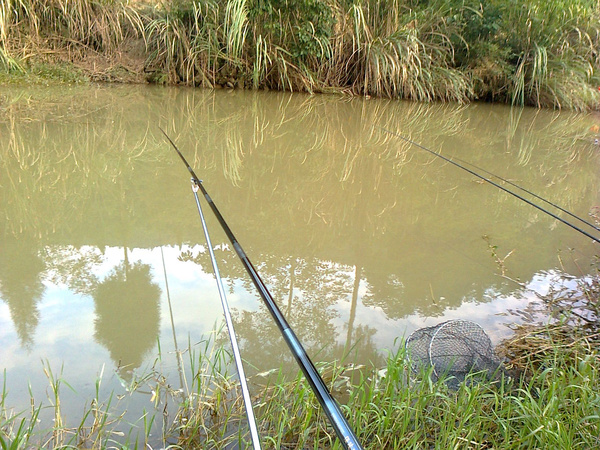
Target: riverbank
526, 53
551, 401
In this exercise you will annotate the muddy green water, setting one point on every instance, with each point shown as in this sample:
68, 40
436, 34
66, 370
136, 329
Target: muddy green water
360, 236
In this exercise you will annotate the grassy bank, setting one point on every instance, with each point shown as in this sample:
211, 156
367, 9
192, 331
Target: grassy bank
551, 401
530, 52
555, 405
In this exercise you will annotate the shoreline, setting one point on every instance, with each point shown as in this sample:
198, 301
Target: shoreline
438, 50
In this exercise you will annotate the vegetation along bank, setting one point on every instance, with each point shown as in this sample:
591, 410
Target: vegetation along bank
526, 52
551, 400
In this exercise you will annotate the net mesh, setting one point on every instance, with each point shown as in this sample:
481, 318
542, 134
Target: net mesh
454, 348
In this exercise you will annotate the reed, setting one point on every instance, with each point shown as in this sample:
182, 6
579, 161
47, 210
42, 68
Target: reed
98, 25
449, 50
36, 35
392, 50
555, 54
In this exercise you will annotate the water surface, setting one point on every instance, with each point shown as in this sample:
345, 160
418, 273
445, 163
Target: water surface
360, 236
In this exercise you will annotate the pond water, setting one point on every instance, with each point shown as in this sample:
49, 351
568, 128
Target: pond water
360, 236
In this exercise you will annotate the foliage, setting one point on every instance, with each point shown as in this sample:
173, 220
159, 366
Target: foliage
302, 26
533, 52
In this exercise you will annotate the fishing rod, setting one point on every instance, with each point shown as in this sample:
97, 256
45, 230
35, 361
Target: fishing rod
533, 194
493, 183
236, 350
327, 402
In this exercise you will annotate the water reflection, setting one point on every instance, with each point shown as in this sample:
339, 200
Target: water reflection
127, 314
73, 267
21, 287
354, 231
307, 293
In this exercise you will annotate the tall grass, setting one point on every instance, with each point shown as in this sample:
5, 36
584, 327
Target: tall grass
44, 39
555, 52
99, 25
389, 49
534, 52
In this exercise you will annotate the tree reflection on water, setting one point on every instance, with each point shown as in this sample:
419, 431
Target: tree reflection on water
127, 314
21, 287
308, 292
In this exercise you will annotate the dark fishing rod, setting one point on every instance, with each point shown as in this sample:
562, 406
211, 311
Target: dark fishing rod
493, 183
327, 402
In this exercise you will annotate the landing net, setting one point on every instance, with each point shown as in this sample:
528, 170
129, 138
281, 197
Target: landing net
453, 349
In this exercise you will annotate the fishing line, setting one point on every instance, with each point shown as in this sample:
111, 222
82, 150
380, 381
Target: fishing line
332, 410
533, 194
177, 352
236, 351
508, 191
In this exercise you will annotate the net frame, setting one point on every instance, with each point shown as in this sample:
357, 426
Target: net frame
455, 347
